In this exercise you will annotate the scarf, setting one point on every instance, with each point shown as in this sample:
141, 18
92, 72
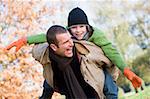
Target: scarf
72, 84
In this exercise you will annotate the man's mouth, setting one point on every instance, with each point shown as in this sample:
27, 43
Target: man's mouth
69, 49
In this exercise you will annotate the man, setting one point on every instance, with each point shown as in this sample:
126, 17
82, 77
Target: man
76, 72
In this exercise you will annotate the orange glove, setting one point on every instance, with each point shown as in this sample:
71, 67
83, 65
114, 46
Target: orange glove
135, 80
18, 44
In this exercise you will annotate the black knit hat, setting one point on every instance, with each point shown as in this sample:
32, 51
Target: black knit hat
77, 16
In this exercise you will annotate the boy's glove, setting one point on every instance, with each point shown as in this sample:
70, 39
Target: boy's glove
18, 44
135, 80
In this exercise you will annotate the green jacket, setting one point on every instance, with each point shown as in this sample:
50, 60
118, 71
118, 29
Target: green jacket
99, 39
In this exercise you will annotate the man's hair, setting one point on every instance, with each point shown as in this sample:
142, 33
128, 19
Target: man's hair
52, 32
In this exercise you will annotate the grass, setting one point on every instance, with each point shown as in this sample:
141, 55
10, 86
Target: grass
144, 94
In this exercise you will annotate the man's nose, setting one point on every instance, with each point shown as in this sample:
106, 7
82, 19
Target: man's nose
71, 42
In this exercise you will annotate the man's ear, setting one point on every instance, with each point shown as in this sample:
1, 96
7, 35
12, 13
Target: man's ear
53, 46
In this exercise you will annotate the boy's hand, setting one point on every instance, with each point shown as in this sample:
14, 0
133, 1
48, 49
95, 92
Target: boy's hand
18, 44
135, 80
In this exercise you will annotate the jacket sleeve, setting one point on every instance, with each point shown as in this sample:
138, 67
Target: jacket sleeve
111, 52
39, 38
41, 53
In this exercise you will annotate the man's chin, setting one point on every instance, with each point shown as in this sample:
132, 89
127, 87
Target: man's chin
69, 55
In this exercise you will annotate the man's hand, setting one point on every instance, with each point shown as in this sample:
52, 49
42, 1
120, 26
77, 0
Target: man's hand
18, 44
135, 80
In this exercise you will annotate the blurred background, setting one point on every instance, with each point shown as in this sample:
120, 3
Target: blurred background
125, 22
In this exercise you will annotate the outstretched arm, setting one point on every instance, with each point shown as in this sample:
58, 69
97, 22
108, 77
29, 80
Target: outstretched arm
99, 39
40, 38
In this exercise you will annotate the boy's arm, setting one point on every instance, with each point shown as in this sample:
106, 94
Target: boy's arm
40, 38
99, 39
111, 52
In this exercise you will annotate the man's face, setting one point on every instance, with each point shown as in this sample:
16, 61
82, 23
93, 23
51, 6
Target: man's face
78, 31
65, 45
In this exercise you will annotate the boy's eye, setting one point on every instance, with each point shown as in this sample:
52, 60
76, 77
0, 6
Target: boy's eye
73, 27
81, 26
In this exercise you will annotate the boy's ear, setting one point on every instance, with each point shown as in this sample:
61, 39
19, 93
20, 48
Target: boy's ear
53, 46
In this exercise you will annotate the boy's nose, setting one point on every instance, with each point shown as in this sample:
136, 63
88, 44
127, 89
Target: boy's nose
77, 29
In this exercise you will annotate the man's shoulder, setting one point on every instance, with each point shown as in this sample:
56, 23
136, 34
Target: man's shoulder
40, 48
40, 52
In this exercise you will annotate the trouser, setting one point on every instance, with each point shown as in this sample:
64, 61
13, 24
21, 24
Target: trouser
47, 91
110, 88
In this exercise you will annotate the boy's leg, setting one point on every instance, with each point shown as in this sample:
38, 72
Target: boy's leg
110, 87
47, 91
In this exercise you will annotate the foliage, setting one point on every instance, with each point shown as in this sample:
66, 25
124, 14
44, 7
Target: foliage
122, 38
132, 95
123, 83
141, 66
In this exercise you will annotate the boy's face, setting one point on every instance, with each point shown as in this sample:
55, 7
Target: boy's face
78, 31
65, 45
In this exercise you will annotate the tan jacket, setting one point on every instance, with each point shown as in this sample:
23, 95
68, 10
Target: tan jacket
92, 60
